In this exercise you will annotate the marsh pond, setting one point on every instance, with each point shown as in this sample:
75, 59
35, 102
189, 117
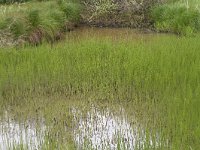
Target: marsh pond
99, 89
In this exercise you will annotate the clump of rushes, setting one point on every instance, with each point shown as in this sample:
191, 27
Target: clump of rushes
17, 27
176, 17
40, 21
12, 1
71, 9
34, 18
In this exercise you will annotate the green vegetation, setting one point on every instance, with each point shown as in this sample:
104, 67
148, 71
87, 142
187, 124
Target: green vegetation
38, 21
12, 1
156, 80
161, 76
179, 17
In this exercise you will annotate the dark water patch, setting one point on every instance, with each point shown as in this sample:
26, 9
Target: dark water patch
117, 34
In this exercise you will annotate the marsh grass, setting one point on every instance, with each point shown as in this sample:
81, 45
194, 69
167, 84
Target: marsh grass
159, 79
35, 22
36, 124
182, 17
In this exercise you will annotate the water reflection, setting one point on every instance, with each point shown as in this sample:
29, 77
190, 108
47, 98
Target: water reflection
116, 34
104, 130
95, 128
26, 135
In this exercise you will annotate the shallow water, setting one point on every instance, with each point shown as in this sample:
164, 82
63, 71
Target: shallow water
14, 133
93, 128
107, 130
116, 34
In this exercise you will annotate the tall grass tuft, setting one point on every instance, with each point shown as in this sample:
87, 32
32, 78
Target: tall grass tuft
177, 17
71, 9
34, 18
49, 18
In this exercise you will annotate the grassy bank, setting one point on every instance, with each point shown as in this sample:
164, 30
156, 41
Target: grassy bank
37, 21
163, 76
174, 16
179, 16
34, 22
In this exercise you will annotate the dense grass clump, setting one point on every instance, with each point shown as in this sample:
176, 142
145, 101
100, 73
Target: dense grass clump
38, 21
181, 18
162, 76
12, 1
18, 1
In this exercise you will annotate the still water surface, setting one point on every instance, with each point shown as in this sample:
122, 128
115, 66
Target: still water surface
95, 128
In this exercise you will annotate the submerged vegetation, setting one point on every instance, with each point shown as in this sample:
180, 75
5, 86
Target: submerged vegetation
160, 77
92, 91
